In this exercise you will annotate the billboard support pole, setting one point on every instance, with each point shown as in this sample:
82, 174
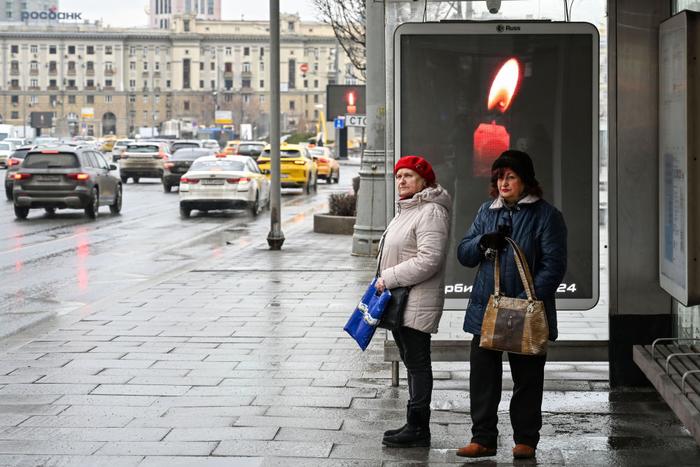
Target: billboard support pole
275, 238
371, 203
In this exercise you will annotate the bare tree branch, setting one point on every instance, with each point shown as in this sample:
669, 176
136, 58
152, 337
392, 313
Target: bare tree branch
348, 20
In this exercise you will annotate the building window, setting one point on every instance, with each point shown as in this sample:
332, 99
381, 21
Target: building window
157, 50
132, 51
292, 105
145, 100
71, 67
167, 84
186, 24
89, 99
245, 83
262, 67
132, 83
156, 66
315, 98
316, 83
246, 51
306, 83
291, 73
108, 50
213, 84
90, 83
108, 99
14, 83
186, 73
262, 83
228, 67
145, 66
246, 67
14, 100
212, 66
132, 65
53, 83
228, 97
34, 49
261, 99
33, 100
201, 84
34, 83
71, 50
71, 99
90, 66
34, 65
14, 115
71, 83
290, 26
132, 99
201, 66
52, 49
156, 98
227, 50
228, 84
246, 98
262, 52
14, 49
90, 50
108, 66
186, 105
108, 83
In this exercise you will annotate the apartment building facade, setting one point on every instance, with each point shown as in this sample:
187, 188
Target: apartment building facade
99, 80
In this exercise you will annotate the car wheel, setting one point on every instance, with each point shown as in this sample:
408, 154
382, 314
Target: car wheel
8, 194
315, 186
93, 206
136, 179
329, 179
307, 186
124, 178
50, 211
255, 207
337, 176
116, 207
21, 213
166, 188
185, 212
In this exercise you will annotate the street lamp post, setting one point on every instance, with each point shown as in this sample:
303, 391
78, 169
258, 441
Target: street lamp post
275, 238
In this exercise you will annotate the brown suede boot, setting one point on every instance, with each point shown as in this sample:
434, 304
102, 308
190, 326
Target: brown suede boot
523, 451
475, 450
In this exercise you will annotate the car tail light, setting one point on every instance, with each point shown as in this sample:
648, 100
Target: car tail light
160, 155
238, 180
169, 165
22, 176
49, 151
222, 155
13, 161
189, 180
323, 160
300, 162
78, 176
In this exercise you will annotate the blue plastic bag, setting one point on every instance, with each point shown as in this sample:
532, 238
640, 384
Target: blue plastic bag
363, 321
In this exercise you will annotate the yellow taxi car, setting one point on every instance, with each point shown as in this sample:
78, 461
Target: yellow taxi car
298, 168
328, 167
232, 147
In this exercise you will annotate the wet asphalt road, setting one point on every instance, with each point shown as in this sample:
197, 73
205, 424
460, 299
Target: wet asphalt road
55, 264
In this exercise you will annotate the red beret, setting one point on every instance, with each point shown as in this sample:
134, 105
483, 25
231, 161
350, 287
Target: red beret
418, 165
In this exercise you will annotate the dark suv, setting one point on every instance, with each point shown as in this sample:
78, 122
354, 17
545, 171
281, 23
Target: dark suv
66, 177
179, 163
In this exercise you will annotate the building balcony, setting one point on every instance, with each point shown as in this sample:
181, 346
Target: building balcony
109, 72
90, 72
33, 88
71, 88
108, 88
156, 74
90, 88
144, 73
33, 72
53, 71
228, 74
14, 71
246, 74
52, 88
70, 72
14, 87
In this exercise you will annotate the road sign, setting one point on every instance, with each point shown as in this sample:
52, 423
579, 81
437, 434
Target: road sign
304, 67
339, 122
356, 120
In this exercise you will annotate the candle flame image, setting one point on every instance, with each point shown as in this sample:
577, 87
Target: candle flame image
504, 86
351, 98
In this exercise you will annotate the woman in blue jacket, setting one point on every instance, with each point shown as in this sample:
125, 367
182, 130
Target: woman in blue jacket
517, 211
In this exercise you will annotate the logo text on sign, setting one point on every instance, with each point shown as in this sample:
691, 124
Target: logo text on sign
356, 120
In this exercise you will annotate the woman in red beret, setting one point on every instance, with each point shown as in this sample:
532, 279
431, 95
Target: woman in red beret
413, 253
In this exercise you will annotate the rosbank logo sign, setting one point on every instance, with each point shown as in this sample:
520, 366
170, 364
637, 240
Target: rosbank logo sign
50, 14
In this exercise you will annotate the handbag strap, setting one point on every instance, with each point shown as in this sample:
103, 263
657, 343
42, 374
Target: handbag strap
523, 272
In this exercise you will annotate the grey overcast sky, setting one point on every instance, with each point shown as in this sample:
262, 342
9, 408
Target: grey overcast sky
133, 12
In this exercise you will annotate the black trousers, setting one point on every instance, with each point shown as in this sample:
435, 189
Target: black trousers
414, 348
485, 384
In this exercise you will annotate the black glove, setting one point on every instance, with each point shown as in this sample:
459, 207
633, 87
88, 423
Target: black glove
493, 240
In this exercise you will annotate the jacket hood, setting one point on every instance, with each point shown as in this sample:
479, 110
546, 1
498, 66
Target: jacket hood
435, 194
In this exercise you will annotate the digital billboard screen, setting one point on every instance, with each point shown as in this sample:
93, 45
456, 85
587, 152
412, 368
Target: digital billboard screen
342, 99
467, 92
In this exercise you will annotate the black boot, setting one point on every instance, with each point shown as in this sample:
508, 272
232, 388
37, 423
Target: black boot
416, 433
396, 431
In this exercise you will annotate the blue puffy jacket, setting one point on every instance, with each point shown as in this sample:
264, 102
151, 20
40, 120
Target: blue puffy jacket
539, 229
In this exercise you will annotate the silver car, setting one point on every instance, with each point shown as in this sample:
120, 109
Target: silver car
143, 159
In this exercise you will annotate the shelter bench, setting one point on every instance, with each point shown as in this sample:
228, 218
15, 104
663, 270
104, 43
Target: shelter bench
672, 365
457, 350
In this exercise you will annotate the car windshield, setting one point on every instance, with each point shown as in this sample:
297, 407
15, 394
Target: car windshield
177, 146
250, 149
122, 143
5, 147
137, 149
284, 153
48, 161
220, 165
190, 154
20, 153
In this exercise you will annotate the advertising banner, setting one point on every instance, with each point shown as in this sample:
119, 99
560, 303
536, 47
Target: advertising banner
467, 92
223, 117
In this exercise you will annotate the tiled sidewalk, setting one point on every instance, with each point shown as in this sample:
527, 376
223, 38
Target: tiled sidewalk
243, 362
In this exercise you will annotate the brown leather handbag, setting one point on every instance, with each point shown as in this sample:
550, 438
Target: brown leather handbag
515, 325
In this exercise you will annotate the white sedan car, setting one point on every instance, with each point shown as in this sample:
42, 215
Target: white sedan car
223, 182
